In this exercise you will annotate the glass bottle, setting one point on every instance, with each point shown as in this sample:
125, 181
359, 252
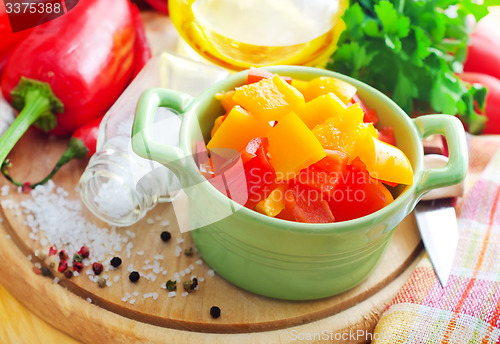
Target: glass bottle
117, 185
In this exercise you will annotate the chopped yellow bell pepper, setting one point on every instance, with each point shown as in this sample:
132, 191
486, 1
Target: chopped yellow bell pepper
292, 147
300, 85
385, 162
321, 108
325, 84
237, 130
226, 100
217, 123
274, 203
342, 132
269, 99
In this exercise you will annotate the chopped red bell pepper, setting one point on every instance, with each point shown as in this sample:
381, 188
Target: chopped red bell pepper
142, 50
356, 195
253, 146
386, 134
370, 115
257, 74
325, 174
307, 205
70, 70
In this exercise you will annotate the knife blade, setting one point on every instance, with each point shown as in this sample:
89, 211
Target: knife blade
437, 222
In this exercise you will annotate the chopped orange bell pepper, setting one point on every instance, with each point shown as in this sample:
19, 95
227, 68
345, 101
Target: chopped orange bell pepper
269, 99
325, 84
292, 147
226, 100
385, 162
237, 129
321, 108
342, 132
274, 203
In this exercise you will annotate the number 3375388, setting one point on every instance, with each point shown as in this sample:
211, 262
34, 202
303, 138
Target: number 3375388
30, 7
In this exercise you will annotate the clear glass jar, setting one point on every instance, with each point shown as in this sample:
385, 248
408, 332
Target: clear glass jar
118, 186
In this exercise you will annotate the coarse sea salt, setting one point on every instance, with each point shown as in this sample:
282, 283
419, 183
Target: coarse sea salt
114, 200
52, 213
171, 294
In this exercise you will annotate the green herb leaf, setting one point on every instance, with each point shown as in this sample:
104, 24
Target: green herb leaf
410, 50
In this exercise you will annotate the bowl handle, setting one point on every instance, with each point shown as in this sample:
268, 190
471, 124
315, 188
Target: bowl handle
142, 140
455, 170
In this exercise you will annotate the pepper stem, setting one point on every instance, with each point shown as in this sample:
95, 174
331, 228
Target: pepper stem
76, 149
37, 103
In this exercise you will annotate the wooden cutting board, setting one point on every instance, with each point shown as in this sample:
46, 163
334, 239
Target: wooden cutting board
245, 318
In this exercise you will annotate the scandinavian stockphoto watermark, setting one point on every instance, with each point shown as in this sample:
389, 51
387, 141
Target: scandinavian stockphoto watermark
348, 335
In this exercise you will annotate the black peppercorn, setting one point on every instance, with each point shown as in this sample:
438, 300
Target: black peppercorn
134, 276
165, 236
46, 271
116, 262
215, 312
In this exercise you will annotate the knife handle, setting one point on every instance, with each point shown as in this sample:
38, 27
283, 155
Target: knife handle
455, 170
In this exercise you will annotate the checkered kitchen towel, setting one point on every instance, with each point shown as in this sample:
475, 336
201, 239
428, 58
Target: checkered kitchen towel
467, 310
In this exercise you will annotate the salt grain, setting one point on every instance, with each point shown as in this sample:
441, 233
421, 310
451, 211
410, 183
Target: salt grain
150, 221
117, 278
89, 300
158, 257
132, 301
211, 273
114, 200
201, 279
179, 240
185, 293
135, 293
165, 223
56, 280
140, 253
4, 191
171, 294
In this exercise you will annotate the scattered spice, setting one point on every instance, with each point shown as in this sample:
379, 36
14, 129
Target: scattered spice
52, 251
42, 255
84, 252
27, 187
52, 265
190, 285
97, 267
63, 255
188, 251
68, 273
116, 262
77, 258
101, 282
46, 271
171, 285
77, 266
63, 265
165, 236
134, 276
37, 271
215, 312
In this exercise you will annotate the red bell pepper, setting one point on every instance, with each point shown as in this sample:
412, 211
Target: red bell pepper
484, 45
356, 195
159, 5
82, 144
69, 70
492, 104
307, 205
142, 50
8, 39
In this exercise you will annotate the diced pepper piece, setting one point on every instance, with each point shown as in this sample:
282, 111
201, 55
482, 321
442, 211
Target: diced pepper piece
274, 203
217, 124
307, 205
300, 85
342, 132
260, 176
252, 148
257, 74
386, 162
370, 114
237, 129
325, 174
266, 100
226, 100
388, 196
357, 194
325, 84
291, 94
320, 109
292, 147
386, 134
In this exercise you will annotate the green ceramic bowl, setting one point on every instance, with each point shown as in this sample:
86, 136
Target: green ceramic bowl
284, 259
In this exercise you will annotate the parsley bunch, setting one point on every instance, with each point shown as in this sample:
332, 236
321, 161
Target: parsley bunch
411, 50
